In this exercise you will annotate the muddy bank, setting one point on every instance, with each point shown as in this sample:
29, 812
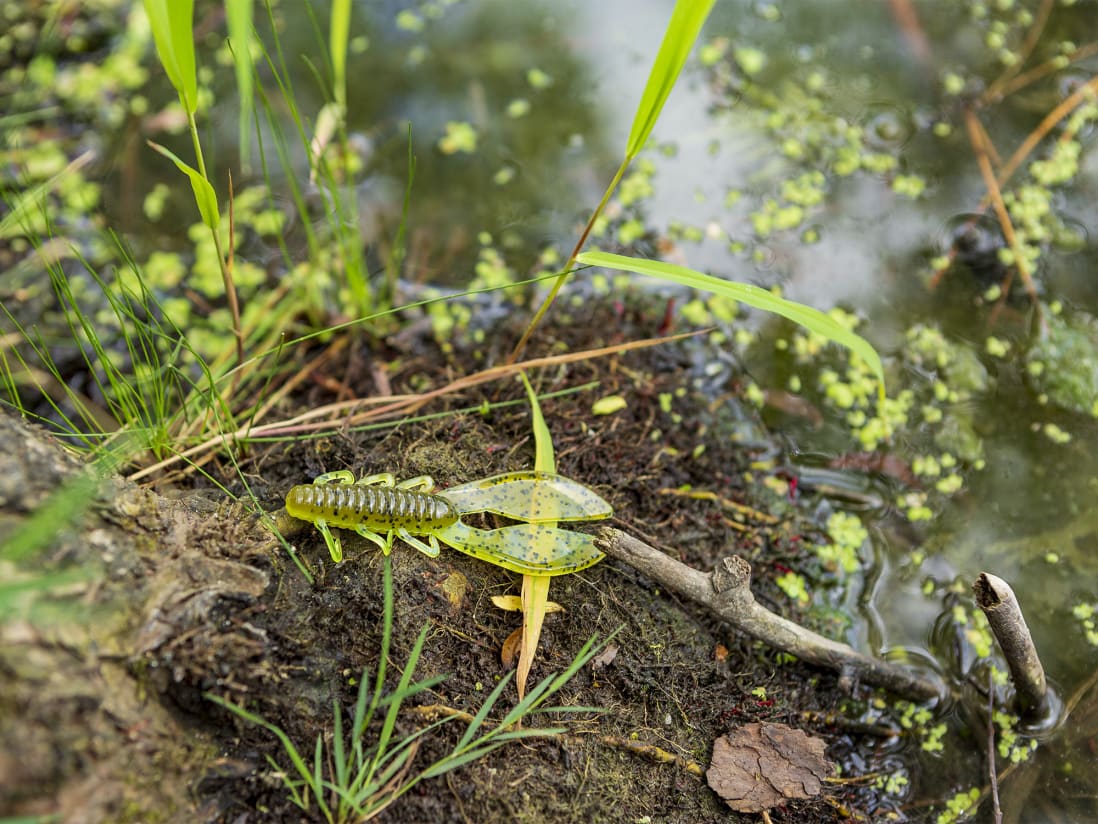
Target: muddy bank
191, 596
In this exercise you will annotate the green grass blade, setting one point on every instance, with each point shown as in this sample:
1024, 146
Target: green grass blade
288, 745
528, 732
811, 319
91, 433
544, 459
239, 16
413, 690
338, 36
386, 638
172, 23
399, 753
359, 722
482, 713
682, 30
290, 784
204, 194
341, 765
398, 696
445, 765
318, 782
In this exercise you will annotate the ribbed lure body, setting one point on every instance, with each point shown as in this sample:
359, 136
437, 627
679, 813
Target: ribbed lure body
377, 508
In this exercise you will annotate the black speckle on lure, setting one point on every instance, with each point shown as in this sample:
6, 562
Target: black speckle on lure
380, 509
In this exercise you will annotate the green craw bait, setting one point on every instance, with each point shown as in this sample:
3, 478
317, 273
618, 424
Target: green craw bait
380, 510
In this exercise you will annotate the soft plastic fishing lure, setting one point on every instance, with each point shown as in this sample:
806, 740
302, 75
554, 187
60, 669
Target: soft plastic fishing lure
380, 510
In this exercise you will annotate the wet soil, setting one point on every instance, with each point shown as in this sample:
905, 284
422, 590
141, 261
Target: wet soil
103, 714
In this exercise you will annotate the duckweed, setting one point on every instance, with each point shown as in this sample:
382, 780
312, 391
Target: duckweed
960, 805
460, 137
1085, 614
848, 536
794, 586
1012, 745
1062, 364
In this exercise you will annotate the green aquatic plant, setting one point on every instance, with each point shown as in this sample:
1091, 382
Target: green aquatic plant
812, 319
959, 806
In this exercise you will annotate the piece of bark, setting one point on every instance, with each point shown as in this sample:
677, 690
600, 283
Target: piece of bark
759, 766
726, 592
995, 597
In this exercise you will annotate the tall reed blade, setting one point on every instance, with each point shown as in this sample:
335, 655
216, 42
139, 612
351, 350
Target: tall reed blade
172, 23
339, 29
238, 14
812, 319
683, 29
678, 39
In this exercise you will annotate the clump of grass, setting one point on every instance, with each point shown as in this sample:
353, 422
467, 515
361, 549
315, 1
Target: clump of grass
365, 768
148, 383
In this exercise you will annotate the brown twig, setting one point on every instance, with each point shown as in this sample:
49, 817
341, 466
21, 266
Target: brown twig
907, 18
655, 754
727, 503
1024, 150
726, 592
981, 145
295, 380
1047, 68
1047, 124
995, 597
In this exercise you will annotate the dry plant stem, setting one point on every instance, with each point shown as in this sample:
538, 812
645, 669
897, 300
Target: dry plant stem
394, 405
1069, 104
996, 810
304, 372
655, 754
995, 91
980, 145
1047, 68
995, 597
907, 18
726, 592
1033, 139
